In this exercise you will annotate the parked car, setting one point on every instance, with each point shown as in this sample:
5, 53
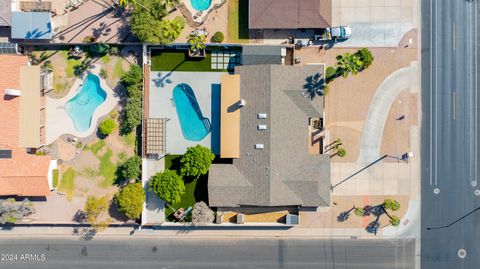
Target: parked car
334, 33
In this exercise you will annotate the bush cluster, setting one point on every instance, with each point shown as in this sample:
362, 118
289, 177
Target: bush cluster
132, 112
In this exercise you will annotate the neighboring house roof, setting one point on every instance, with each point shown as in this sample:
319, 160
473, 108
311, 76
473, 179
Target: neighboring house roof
23, 174
5, 12
289, 14
261, 54
32, 25
282, 173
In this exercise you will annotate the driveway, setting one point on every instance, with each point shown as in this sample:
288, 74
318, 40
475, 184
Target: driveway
375, 23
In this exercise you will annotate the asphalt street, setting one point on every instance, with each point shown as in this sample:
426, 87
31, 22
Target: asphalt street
161, 252
450, 128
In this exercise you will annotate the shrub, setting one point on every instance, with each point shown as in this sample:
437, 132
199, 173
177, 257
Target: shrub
12, 211
99, 48
130, 200
94, 209
202, 213
107, 126
168, 185
89, 39
103, 73
131, 168
114, 51
218, 37
196, 161
330, 73
365, 56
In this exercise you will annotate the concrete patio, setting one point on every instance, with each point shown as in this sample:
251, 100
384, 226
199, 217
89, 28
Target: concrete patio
206, 86
95, 18
57, 120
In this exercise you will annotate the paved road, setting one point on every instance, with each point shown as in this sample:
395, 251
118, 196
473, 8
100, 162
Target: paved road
213, 253
450, 133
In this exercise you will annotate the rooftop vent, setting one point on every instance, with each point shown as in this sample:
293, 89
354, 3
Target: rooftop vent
12, 92
240, 103
262, 115
262, 127
258, 146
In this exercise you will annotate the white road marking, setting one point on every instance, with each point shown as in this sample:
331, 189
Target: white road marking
453, 35
454, 101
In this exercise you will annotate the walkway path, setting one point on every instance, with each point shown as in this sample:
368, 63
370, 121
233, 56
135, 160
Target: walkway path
391, 87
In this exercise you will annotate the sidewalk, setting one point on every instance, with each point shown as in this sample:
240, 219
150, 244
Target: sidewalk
195, 232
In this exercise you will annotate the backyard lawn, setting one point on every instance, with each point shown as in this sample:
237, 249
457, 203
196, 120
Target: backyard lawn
170, 60
238, 21
195, 189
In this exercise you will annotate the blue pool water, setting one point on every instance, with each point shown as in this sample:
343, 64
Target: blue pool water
81, 107
194, 126
201, 4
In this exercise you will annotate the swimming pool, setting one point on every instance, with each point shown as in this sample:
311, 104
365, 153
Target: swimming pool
195, 127
82, 106
201, 5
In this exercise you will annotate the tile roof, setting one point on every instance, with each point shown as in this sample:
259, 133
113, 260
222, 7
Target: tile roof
283, 173
289, 14
24, 174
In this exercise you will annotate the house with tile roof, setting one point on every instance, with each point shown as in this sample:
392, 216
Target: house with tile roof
21, 172
289, 14
271, 148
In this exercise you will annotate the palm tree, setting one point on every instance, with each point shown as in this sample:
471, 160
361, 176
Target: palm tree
341, 152
395, 221
359, 211
349, 63
196, 42
391, 204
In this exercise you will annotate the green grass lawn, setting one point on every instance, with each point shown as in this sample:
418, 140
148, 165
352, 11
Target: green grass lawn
55, 177
118, 69
95, 148
71, 63
178, 60
195, 189
67, 183
107, 169
238, 21
129, 139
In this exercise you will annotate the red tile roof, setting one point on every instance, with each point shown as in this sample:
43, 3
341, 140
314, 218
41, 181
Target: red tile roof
24, 174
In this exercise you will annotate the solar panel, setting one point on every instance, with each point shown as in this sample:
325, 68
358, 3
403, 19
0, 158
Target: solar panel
5, 154
8, 48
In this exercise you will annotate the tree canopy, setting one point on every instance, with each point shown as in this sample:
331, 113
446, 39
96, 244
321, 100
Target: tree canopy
130, 200
149, 26
196, 161
132, 113
168, 185
131, 169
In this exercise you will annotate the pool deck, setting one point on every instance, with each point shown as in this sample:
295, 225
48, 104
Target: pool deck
200, 14
59, 123
206, 86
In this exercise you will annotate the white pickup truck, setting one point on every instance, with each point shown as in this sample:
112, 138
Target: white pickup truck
334, 33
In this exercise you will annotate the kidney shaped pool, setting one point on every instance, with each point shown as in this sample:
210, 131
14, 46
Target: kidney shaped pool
82, 106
